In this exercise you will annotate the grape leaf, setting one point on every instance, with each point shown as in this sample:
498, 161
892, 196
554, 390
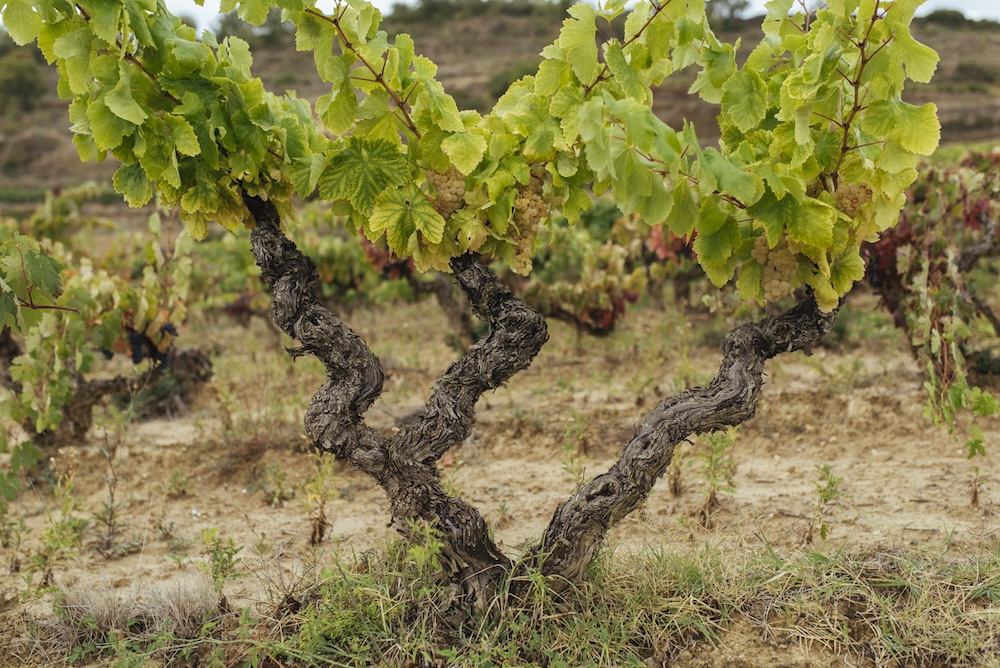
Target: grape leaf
21, 21
577, 40
133, 182
846, 271
624, 75
119, 99
401, 212
730, 178
363, 171
744, 99
465, 149
683, 214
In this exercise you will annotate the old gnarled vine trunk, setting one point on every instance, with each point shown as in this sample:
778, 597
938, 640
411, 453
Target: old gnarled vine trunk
405, 464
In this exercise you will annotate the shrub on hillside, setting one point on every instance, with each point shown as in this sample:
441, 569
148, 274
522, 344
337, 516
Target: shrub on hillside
22, 81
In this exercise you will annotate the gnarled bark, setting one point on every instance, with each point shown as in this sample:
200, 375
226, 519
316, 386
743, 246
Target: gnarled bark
581, 523
405, 464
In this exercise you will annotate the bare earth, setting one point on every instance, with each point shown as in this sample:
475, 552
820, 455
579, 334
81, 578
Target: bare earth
907, 482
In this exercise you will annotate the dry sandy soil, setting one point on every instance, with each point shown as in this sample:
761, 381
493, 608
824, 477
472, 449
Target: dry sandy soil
236, 460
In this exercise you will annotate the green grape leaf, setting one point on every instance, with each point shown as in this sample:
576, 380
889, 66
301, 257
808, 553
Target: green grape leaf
9, 309
203, 196
718, 247
431, 100
684, 215
976, 443
186, 57
133, 182
42, 274
400, 213
465, 149
730, 178
25, 456
920, 60
361, 172
983, 403
108, 128
119, 99
809, 222
749, 280
338, 108
577, 40
916, 129
623, 73
21, 21
254, 12
846, 271
183, 135
744, 99
74, 49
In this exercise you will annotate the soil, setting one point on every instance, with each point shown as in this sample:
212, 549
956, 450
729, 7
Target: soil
236, 461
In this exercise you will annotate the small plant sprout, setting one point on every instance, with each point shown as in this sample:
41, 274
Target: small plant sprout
222, 557
574, 447
828, 492
316, 492
717, 470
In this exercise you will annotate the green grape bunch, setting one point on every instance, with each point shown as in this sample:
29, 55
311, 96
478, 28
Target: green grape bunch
814, 111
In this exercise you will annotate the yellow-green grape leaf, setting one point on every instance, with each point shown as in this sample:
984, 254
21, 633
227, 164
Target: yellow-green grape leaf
183, 135
920, 60
577, 40
21, 21
133, 183
469, 231
846, 271
338, 108
744, 99
731, 180
465, 149
813, 226
74, 50
432, 103
363, 171
916, 129
119, 99
748, 282
402, 212
623, 73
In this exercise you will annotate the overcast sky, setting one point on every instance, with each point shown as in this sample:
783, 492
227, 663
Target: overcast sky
973, 9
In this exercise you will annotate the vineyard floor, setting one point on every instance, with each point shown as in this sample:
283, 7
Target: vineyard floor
236, 461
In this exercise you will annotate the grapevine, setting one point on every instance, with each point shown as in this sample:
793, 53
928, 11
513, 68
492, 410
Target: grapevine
923, 270
68, 318
815, 107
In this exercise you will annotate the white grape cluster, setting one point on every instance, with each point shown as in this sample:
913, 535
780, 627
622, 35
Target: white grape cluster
780, 265
450, 189
851, 196
529, 211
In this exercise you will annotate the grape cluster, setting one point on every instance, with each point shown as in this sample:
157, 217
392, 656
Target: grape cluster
529, 211
450, 189
851, 196
780, 264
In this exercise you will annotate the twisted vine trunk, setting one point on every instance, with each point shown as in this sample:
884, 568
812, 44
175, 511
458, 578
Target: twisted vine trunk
581, 523
405, 464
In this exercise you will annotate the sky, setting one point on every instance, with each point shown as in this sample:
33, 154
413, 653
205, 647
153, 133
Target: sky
973, 9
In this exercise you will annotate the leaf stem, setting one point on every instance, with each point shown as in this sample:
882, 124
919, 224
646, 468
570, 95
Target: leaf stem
377, 73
